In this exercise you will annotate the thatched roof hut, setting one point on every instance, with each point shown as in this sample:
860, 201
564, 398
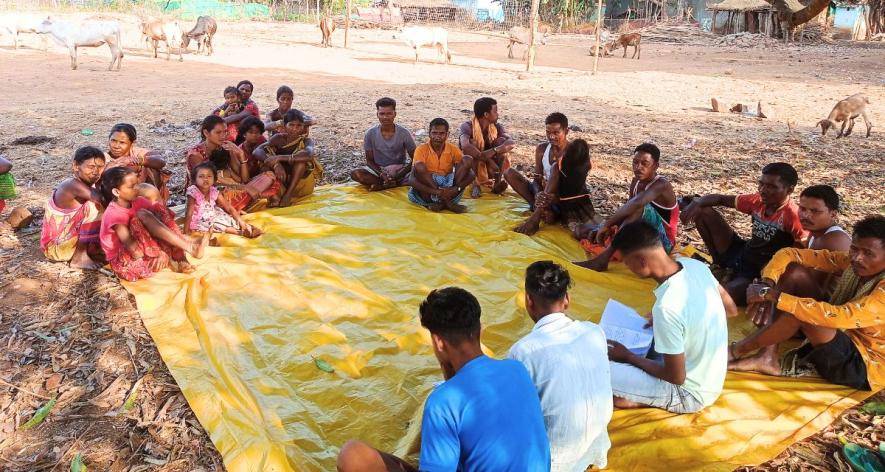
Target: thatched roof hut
753, 16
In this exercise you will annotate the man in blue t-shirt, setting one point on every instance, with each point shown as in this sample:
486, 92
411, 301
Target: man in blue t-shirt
486, 416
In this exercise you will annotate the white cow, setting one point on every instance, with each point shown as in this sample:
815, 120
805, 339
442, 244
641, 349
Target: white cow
16, 23
86, 34
169, 31
419, 37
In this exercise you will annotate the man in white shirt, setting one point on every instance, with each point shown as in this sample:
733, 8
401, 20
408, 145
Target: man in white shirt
568, 364
689, 319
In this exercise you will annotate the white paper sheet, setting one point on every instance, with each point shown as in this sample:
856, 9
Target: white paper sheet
622, 324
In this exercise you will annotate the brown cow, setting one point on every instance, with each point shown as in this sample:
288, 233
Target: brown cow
156, 30
202, 33
327, 26
623, 41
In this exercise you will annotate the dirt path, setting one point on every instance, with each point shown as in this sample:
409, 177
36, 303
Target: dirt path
78, 335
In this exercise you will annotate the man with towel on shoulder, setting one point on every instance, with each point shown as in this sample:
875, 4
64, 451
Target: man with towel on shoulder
487, 142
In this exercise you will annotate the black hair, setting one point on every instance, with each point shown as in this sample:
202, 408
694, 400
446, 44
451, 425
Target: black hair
438, 122
294, 115
557, 117
209, 123
285, 89
204, 165
220, 158
246, 82
248, 123
784, 171
651, 149
231, 89
124, 128
85, 153
385, 102
635, 236
110, 179
483, 105
823, 192
451, 313
547, 281
872, 226
577, 156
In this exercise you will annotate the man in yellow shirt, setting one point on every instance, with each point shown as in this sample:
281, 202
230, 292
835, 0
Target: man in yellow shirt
845, 330
440, 171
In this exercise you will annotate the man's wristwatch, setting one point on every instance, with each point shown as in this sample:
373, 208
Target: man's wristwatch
763, 292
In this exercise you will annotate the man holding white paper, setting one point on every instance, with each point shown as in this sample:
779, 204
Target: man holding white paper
567, 362
689, 321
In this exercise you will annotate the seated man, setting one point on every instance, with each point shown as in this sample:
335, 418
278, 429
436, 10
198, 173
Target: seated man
689, 330
389, 147
775, 226
566, 198
292, 157
487, 142
568, 361
485, 416
846, 341
818, 210
547, 156
72, 218
652, 200
439, 172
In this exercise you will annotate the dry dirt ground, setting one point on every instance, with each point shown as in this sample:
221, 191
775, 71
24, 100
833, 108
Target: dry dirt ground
77, 336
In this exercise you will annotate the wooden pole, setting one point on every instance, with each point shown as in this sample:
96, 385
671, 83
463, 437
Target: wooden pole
598, 35
530, 64
318, 11
347, 24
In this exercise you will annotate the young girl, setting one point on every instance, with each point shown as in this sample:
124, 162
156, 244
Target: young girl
274, 123
208, 210
231, 111
7, 183
136, 243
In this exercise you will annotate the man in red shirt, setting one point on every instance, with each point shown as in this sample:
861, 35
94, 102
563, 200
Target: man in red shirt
776, 225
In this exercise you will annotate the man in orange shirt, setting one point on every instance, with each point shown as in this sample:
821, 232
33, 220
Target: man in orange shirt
440, 171
845, 330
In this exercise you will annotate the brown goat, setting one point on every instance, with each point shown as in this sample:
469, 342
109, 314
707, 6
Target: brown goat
623, 41
845, 112
327, 26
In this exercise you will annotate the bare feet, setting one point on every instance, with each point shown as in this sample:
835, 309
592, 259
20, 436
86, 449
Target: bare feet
436, 207
81, 260
455, 207
765, 362
528, 228
273, 202
476, 191
198, 245
185, 267
499, 187
252, 231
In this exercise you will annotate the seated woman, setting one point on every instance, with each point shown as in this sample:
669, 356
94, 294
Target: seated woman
566, 198
149, 165
136, 242
240, 188
292, 156
652, 200
843, 328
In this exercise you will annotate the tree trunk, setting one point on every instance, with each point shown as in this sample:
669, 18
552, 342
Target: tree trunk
530, 62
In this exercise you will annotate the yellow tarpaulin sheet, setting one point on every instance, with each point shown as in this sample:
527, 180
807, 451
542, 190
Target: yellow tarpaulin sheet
339, 276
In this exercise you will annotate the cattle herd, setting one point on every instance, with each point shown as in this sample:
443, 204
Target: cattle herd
75, 34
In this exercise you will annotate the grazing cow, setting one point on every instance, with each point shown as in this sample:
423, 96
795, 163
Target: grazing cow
17, 23
417, 37
156, 30
520, 35
86, 34
623, 41
327, 26
202, 33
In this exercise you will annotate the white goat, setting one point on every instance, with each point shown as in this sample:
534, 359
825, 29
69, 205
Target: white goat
17, 23
86, 34
845, 112
419, 37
